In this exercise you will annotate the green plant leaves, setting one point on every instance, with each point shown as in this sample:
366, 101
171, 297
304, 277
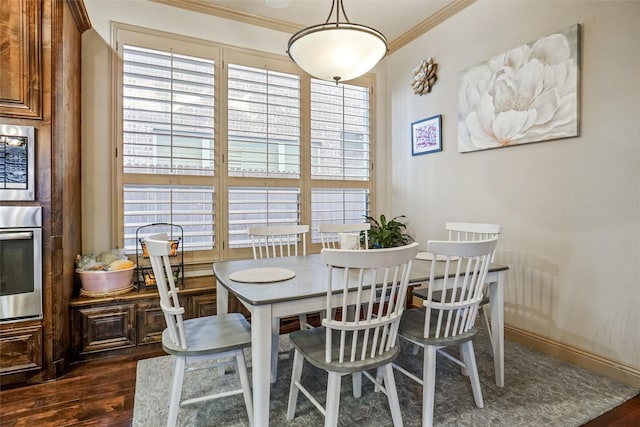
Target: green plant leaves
388, 234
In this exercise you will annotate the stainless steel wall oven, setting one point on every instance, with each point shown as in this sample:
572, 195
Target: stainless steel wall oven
20, 263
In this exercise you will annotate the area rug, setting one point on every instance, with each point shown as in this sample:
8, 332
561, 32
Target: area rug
539, 391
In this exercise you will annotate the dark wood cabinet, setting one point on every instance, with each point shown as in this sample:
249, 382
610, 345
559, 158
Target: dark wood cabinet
202, 305
40, 67
21, 59
149, 322
132, 322
21, 349
106, 327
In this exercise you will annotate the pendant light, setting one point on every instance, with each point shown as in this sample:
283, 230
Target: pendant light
337, 51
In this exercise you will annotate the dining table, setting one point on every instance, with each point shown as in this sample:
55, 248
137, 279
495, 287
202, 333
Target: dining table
296, 288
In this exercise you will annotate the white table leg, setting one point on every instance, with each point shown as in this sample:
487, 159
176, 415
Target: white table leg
275, 348
222, 299
496, 296
260, 365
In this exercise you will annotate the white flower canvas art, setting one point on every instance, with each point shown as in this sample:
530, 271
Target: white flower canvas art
528, 94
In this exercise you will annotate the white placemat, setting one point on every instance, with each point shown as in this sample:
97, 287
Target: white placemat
428, 256
262, 275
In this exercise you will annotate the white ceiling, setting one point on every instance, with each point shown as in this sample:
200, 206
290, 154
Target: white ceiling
391, 17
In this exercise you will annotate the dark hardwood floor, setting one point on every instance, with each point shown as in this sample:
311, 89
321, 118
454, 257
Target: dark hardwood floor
95, 393
101, 393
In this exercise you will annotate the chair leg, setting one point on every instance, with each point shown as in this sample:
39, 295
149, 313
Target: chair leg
296, 374
356, 378
379, 380
351, 313
392, 395
302, 319
469, 358
176, 390
486, 325
428, 385
333, 400
246, 385
323, 315
414, 349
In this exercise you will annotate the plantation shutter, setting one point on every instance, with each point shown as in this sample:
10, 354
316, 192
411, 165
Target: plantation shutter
168, 133
340, 153
263, 142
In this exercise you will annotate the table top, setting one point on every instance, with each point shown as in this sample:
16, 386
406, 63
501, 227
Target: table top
307, 281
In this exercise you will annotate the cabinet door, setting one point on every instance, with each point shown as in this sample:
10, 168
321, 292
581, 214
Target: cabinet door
235, 306
21, 349
150, 322
107, 328
20, 59
202, 305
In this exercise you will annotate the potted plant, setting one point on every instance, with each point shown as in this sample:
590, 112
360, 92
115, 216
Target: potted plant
388, 234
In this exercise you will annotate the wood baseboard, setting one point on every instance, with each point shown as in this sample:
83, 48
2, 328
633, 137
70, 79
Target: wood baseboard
577, 356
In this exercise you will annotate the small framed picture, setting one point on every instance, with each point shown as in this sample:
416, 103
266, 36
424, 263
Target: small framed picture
426, 135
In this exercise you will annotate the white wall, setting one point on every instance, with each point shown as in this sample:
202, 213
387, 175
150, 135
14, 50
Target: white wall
570, 208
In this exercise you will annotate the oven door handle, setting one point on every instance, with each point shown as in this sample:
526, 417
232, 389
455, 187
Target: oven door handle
27, 235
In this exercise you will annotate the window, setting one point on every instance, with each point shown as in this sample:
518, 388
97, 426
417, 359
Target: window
339, 131
168, 132
264, 123
190, 207
336, 205
249, 206
216, 149
263, 142
340, 153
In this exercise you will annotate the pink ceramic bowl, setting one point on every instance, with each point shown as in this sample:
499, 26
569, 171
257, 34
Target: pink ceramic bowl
106, 281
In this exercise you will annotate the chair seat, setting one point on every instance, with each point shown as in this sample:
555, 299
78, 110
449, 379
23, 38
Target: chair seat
312, 344
211, 334
437, 295
412, 327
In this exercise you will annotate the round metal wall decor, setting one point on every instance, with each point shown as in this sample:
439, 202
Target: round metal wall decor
424, 76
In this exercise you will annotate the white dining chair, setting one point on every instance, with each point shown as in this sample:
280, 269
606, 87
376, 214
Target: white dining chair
477, 231
470, 231
344, 345
218, 339
473, 231
344, 236
277, 241
331, 234
449, 321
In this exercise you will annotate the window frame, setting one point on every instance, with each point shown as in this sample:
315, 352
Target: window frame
199, 262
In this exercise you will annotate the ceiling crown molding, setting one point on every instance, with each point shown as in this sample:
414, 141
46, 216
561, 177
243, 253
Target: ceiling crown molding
80, 15
201, 6
235, 15
431, 22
